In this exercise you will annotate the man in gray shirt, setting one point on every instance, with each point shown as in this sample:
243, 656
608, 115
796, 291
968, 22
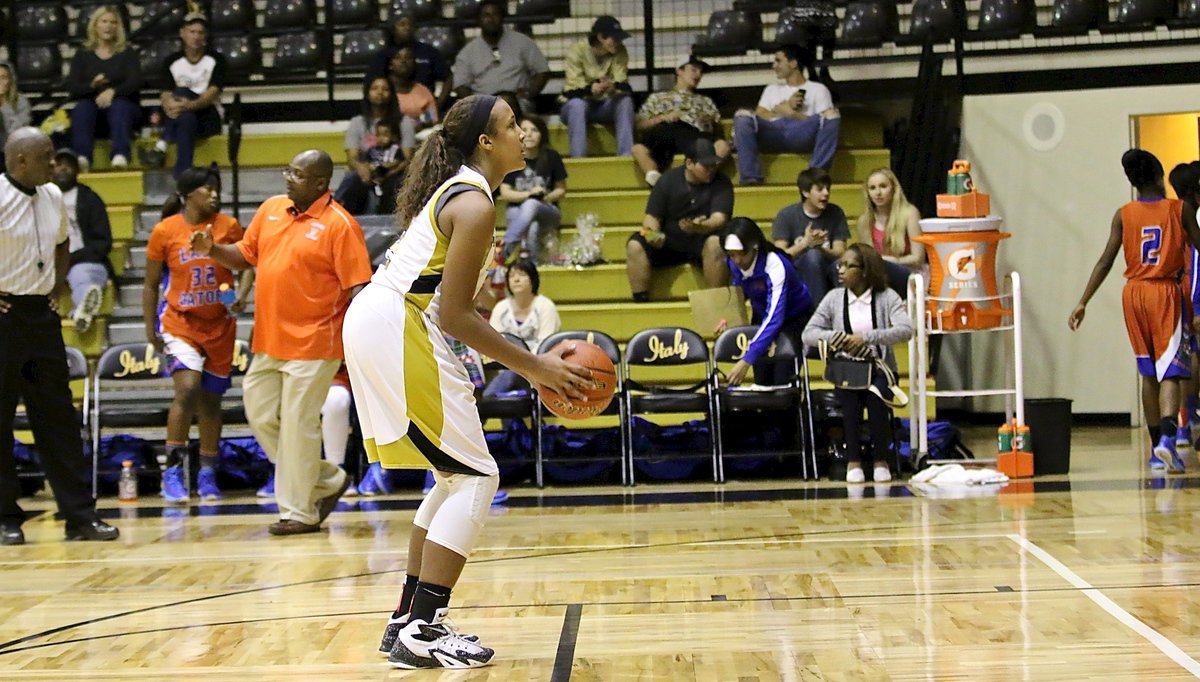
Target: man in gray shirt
500, 60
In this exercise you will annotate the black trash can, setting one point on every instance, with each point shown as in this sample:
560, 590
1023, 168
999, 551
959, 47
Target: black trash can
1049, 421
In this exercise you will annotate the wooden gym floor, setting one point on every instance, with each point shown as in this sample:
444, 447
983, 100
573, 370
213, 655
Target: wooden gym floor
1088, 577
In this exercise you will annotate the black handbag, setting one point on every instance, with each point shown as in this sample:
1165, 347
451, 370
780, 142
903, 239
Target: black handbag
846, 371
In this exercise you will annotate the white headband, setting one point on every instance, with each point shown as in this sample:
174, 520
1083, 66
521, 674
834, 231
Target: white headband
732, 243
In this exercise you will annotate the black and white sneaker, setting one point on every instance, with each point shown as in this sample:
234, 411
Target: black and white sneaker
395, 625
435, 645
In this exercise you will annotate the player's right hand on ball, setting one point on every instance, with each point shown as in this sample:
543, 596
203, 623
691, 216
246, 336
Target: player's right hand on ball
559, 375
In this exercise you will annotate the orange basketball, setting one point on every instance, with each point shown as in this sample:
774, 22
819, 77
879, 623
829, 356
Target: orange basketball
599, 394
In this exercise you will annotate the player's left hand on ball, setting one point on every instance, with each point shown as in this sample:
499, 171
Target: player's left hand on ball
559, 375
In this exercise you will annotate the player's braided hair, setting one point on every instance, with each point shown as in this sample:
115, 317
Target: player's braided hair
441, 155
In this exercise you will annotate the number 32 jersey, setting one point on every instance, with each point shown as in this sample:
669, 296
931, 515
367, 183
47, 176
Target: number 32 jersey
1153, 239
190, 285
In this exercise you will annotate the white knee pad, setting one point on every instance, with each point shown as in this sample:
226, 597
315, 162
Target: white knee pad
337, 402
433, 501
461, 516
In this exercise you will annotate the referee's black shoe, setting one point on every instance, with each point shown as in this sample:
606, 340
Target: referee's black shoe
94, 529
11, 534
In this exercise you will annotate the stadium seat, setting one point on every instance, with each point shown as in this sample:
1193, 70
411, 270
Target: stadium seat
1189, 15
446, 39
160, 18
303, 51
935, 21
1001, 19
421, 10
1140, 15
1075, 17
730, 32
806, 26
729, 347
359, 46
466, 11
39, 22
129, 389
233, 16
539, 11
353, 13
759, 6
242, 55
38, 66
617, 406
152, 55
285, 15
666, 347
869, 23
85, 10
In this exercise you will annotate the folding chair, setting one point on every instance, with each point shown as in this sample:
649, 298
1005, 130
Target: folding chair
617, 406
730, 347
666, 347
142, 398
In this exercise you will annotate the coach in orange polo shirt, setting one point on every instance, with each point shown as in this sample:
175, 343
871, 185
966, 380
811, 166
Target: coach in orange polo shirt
311, 260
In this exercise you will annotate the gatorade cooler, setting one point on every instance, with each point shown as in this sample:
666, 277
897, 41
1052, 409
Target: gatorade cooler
962, 272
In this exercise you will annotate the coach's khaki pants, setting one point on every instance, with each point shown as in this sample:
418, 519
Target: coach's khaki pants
283, 401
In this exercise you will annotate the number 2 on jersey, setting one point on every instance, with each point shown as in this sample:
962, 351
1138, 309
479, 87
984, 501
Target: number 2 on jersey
1151, 243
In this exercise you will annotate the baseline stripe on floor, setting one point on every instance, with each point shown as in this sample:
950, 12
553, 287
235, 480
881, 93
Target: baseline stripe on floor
1129, 620
564, 660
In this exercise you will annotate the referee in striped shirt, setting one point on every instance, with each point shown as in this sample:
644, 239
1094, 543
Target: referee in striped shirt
34, 254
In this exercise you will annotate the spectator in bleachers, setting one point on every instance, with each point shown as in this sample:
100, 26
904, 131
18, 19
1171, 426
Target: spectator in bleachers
387, 162
526, 314
192, 325
794, 116
813, 232
379, 106
335, 422
311, 259
15, 110
500, 60
889, 224
672, 120
533, 193
91, 240
863, 318
105, 76
779, 299
416, 100
686, 210
33, 360
190, 108
596, 86
430, 66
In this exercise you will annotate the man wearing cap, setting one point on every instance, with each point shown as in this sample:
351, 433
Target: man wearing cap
672, 120
311, 259
34, 253
500, 61
687, 209
90, 237
596, 86
190, 108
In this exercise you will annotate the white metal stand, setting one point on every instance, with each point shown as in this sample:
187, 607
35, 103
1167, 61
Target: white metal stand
924, 326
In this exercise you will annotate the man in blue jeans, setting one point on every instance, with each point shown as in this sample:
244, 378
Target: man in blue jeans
596, 86
190, 108
796, 115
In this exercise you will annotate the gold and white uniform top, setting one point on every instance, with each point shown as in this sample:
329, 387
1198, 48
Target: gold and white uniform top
416, 261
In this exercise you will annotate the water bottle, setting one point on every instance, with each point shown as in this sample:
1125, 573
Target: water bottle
127, 485
1004, 438
228, 296
1023, 439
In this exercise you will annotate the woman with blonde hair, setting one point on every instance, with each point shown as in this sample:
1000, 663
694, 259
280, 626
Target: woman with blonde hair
890, 223
105, 76
14, 107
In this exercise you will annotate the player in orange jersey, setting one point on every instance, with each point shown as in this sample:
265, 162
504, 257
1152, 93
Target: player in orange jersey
192, 324
1152, 232
1185, 180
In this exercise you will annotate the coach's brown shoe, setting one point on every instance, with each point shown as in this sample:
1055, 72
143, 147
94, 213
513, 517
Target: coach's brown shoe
325, 505
292, 527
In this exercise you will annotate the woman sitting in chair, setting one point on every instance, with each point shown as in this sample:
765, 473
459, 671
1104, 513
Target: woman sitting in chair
862, 318
525, 314
779, 299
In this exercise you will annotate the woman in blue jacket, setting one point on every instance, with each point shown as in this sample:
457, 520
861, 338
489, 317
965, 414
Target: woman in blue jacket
778, 298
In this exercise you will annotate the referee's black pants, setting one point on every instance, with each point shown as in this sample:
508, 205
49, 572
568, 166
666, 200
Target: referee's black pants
33, 365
